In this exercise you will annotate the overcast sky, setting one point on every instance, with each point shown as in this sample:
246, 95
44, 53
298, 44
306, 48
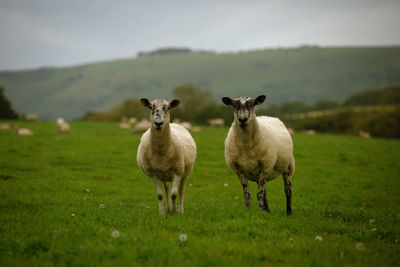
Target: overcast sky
37, 33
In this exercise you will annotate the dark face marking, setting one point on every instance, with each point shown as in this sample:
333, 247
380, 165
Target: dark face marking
243, 108
159, 114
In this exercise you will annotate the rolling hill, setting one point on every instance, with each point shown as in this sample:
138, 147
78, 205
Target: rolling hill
303, 74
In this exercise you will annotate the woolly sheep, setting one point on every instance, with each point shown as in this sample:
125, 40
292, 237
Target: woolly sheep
142, 126
132, 120
5, 126
258, 149
216, 122
32, 117
309, 132
166, 153
187, 125
60, 121
63, 126
364, 134
23, 131
124, 125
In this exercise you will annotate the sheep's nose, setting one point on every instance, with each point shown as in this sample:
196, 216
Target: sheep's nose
159, 124
242, 120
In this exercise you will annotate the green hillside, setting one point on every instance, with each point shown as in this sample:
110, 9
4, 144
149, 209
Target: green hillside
303, 74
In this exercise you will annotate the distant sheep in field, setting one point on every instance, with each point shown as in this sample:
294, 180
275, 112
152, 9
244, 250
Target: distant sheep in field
5, 126
31, 117
187, 125
166, 153
132, 120
196, 129
23, 131
291, 131
124, 125
142, 126
258, 149
309, 132
63, 126
365, 135
216, 122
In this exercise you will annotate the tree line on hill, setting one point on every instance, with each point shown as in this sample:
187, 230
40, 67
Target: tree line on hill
197, 106
375, 111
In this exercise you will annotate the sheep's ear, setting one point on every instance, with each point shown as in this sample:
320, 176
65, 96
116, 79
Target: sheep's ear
174, 103
227, 101
145, 102
259, 100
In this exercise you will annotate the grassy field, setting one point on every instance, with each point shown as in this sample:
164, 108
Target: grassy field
62, 196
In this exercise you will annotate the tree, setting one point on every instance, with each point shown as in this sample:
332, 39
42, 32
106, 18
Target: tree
192, 99
6, 110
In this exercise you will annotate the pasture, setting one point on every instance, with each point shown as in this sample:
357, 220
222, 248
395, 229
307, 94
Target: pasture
63, 196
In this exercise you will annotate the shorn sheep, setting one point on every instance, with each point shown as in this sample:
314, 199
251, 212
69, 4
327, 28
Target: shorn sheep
166, 153
258, 149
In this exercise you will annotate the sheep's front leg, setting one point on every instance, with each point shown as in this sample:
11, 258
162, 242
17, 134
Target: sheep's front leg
157, 182
288, 193
176, 181
168, 197
246, 191
262, 195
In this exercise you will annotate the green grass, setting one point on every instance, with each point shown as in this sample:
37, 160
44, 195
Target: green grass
303, 74
340, 184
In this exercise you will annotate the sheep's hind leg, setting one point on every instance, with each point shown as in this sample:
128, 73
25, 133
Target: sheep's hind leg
262, 195
288, 193
181, 194
176, 181
157, 182
246, 191
168, 197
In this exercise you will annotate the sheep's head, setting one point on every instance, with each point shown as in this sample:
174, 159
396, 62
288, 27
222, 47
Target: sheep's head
159, 115
243, 108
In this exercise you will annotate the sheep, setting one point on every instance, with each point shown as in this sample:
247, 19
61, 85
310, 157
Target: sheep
258, 149
196, 129
166, 153
124, 125
132, 120
309, 132
63, 126
363, 134
187, 125
32, 117
142, 126
124, 119
23, 131
5, 126
216, 122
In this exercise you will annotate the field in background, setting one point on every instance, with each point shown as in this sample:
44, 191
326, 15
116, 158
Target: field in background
304, 74
345, 189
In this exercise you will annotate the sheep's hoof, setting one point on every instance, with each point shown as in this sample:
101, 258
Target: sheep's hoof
171, 212
289, 212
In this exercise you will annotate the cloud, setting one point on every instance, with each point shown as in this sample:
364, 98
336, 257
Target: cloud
48, 32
